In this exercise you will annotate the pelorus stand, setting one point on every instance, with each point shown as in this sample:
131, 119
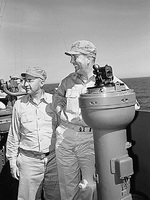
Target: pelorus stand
108, 108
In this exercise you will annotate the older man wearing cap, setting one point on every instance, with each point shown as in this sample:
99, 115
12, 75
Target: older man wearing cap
31, 140
74, 146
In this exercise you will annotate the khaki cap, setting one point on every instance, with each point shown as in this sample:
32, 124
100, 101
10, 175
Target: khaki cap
82, 47
35, 72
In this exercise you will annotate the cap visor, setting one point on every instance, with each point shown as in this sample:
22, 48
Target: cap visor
69, 53
23, 74
30, 74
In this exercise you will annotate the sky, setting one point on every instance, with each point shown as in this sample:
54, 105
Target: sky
38, 32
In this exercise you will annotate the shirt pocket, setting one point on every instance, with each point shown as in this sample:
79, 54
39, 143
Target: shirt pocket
28, 122
47, 123
72, 96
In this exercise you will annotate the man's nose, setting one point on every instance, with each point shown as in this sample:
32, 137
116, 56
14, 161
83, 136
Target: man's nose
26, 83
72, 60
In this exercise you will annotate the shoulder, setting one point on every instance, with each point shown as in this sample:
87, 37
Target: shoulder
23, 99
68, 81
20, 102
48, 97
71, 76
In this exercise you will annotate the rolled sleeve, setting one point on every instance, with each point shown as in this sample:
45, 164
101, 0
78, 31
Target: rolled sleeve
59, 97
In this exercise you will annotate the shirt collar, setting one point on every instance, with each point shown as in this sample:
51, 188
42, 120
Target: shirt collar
44, 97
78, 79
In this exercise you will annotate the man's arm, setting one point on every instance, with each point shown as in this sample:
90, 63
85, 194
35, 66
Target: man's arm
59, 97
13, 143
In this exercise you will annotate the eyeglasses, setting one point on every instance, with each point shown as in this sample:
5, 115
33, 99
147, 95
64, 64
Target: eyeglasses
30, 80
75, 56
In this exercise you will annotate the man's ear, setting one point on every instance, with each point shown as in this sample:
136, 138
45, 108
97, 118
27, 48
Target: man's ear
88, 60
42, 82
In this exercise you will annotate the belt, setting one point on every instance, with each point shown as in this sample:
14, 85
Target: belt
34, 154
77, 128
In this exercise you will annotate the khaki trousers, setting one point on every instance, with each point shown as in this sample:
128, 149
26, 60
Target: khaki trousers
38, 176
76, 164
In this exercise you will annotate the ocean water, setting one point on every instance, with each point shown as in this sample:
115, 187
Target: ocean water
141, 88
139, 85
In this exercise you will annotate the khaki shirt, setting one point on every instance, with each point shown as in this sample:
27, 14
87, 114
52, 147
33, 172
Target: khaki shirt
31, 127
67, 97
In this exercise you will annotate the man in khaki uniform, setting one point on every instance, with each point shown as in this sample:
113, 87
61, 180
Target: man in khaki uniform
75, 147
31, 141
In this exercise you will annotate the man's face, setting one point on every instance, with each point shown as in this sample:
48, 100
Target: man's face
80, 63
32, 84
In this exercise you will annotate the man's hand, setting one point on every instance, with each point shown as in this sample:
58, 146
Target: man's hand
15, 172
